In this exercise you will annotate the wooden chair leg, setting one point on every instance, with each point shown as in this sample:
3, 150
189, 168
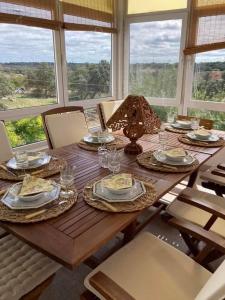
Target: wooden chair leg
191, 244
192, 179
35, 293
87, 295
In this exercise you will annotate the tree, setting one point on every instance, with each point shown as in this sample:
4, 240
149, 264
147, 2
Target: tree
6, 87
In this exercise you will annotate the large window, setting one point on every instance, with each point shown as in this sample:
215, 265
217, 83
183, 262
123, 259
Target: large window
27, 67
89, 67
154, 58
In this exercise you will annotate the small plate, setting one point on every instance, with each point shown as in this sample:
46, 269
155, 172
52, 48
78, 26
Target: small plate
212, 138
41, 162
13, 202
161, 157
179, 126
137, 191
95, 140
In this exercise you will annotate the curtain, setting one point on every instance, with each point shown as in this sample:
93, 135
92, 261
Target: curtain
41, 13
207, 26
92, 15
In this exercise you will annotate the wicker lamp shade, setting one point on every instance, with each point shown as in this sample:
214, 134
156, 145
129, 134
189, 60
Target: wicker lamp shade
136, 117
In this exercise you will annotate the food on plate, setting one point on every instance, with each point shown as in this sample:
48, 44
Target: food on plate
175, 153
202, 133
32, 185
118, 181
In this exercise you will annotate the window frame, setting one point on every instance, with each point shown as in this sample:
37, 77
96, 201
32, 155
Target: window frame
151, 17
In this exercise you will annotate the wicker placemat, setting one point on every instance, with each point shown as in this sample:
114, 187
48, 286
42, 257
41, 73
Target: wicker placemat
176, 130
52, 210
185, 140
148, 161
117, 144
142, 202
50, 169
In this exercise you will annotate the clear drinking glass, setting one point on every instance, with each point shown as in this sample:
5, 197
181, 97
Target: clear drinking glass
103, 157
163, 138
114, 161
195, 123
21, 159
67, 176
170, 117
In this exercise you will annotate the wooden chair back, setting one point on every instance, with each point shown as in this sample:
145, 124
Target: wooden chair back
54, 111
6, 150
106, 109
208, 124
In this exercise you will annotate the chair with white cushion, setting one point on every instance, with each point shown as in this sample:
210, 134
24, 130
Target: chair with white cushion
150, 269
106, 110
24, 272
6, 150
64, 126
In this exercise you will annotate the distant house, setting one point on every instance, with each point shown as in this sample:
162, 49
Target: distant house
20, 91
215, 75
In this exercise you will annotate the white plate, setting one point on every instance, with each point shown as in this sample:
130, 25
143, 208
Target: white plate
212, 138
95, 140
137, 191
161, 157
14, 203
41, 162
179, 126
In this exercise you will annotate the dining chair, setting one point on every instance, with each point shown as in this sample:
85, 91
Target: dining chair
106, 109
6, 150
64, 126
201, 215
214, 179
149, 268
24, 272
206, 123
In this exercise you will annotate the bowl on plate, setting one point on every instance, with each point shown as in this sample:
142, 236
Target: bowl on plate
184, 124
176, 154
119, 188
15, 190
202, 134
120, 191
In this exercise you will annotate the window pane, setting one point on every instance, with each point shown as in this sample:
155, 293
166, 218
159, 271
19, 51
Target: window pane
145, 6
209, 76
217, 116
162, 111
25, 131
27, 68
154, 58
89, 65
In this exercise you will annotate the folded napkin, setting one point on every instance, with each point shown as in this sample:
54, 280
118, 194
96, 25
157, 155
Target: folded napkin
32, 185
118, 181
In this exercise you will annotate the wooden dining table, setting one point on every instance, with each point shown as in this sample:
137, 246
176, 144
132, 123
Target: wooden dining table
76, 235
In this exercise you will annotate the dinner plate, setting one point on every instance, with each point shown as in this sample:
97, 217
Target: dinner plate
12, 164
212, 138
137, 191
179, 126
13, 202
161, 157
101, 140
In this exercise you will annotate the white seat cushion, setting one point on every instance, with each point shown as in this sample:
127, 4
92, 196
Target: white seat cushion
108, 108
66, 128
21, 268
195, 215
6, 150
148, 268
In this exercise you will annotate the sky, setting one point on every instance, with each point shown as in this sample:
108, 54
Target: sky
149, 42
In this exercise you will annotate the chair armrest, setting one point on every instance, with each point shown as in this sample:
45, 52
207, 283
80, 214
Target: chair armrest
208, 202
212, 175
199, 233
108, 288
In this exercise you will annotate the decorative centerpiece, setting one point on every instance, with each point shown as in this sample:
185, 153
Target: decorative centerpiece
137, 118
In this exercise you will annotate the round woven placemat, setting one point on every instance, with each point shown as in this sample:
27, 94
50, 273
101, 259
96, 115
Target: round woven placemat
185, 140
50, 169
176, 130
148, 161
53, 210
142, 202
117, 143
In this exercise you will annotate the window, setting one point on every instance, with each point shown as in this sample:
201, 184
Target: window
145, 6
27, 67
89, 67
209, 76
154, 58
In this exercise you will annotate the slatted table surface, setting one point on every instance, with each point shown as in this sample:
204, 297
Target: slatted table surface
77, 234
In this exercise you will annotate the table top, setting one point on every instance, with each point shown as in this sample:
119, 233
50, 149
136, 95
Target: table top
80, 232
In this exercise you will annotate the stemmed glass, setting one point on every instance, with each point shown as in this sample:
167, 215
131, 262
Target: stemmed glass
67, 176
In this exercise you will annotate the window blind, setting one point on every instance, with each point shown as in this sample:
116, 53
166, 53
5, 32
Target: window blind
41, 13
207, 29
92, 15
146, 6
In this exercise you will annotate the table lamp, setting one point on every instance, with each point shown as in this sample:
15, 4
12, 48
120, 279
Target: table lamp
136, 117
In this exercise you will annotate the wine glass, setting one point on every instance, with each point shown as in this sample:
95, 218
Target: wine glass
67, 176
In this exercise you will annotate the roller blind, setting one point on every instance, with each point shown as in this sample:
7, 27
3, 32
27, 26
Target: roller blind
94, 15
145, 6
207, 30
41, 13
